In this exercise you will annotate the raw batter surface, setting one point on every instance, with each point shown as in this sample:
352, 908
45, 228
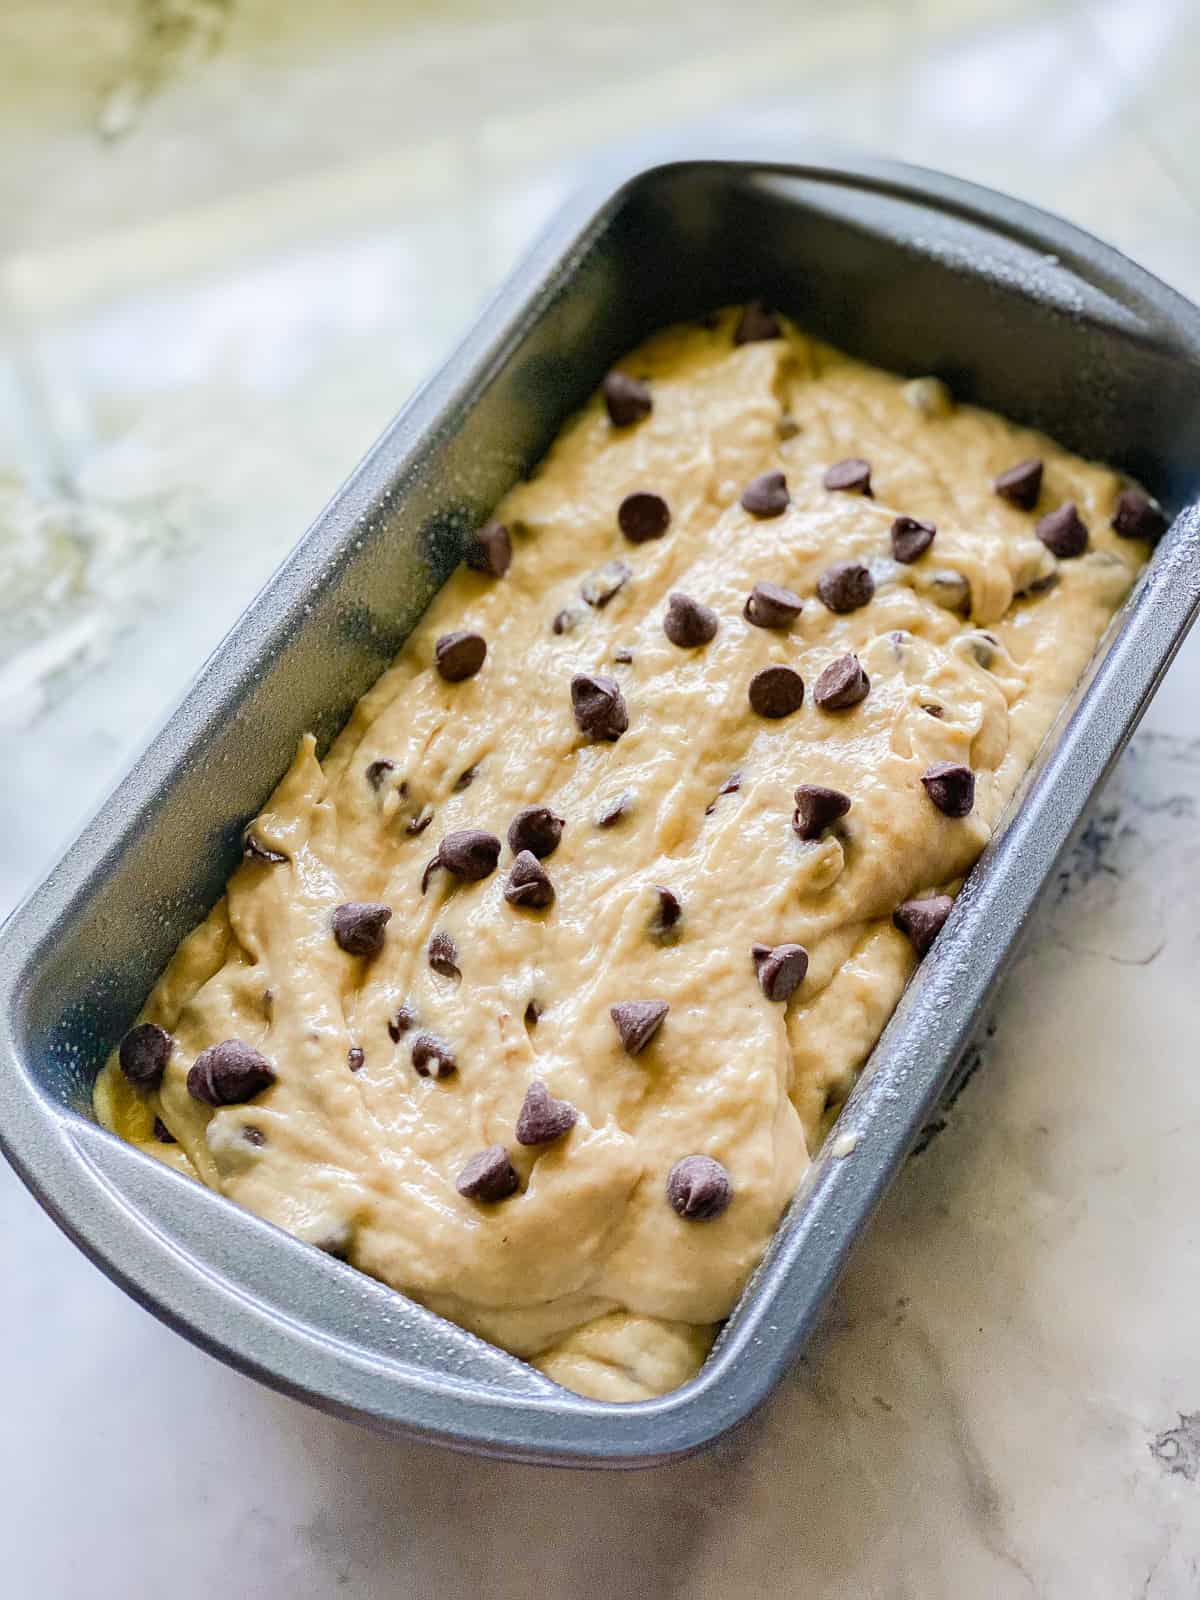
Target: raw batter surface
559, 1084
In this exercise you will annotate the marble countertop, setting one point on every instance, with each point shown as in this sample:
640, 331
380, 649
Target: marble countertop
236, 239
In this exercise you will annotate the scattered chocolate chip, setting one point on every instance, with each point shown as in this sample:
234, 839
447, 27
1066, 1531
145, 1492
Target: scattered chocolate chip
432, 1057
529, 883
467, 853
628, 401
443, 955
490, 1175
623, 655
950, 590
1021, 485
599, 706
911, 538
490, 550
162, 1133
533, 1014
1139, 516
776, 692
951, 787
642, 516
982, 647
698, 1188
770, 605
378, 771
358, 927
668, 911
687, 623
253, 1134
845, 586
566, 620
255, 850
398, 1025
852, 476
599, 588
537, 829
637, 1021
922, 920
780, 969
228, 1074
543, 1118
842, 684
1048, 580
466, 779
1062, 531
756, 323
816, 808
766, 496
615, 810
356, 1057
144, 1053
420, 822
932, 710
787, 428
459, 655
731, 785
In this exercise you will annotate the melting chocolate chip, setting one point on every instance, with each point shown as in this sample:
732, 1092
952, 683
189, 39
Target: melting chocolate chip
731, 785
852, 476
490, 1176
842, 684
358, 927
443, 955
776, 692
253, 1134
766, 496
399, 1025
255, 850
228, 1074
642, 516
780, 969
922, 920
599, 706
951, 787
1021, 485
566, 620
845, 586
756, 323
599, 588
770, 605
537, 829
1062, 531
542, 1118
144, 1053
816, 808
466, 779
698, 1188
1139, 516
529, 883
628, 401
490, 550
615, 810
459, 655
637, 1021
378, 771
668, 911
468, 853
432, 1057
162, 1133
911, 539
687, 623
356, 1057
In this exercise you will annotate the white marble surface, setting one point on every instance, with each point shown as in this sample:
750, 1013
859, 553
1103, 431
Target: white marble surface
224, 263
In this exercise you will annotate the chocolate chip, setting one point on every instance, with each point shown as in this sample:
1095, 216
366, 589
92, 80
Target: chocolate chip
628, 401
731, 785
443, 955
950, 590
490, 550
922, 920
466, 779
816, 808
1062, 532
787, 428
378, 771
755, 324
356, 1057
642, 516
1139, 516
1021, 485
533, 1014
400, 1024
490, 1175
228, 1074
637, 1021
615, 810
776, 692
255, 850
689, 624
770, 605
528, 883
143, 1055
698, 1188
599, 588
845, 586
932, 710
358, 927
668, 911
420, 822
766, 496
951, 787
842, 684
780, 969
543, 1118
852, 476
911, 539
599, 706
432, 1057
623, 655
162, 1133
253, 1134
459, 655
468, 853
566, 620
536, 829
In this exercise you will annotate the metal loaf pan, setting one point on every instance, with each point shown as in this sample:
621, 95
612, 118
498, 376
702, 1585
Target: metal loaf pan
916, 272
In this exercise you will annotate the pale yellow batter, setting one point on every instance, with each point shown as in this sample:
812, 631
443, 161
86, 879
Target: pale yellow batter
588, 1269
